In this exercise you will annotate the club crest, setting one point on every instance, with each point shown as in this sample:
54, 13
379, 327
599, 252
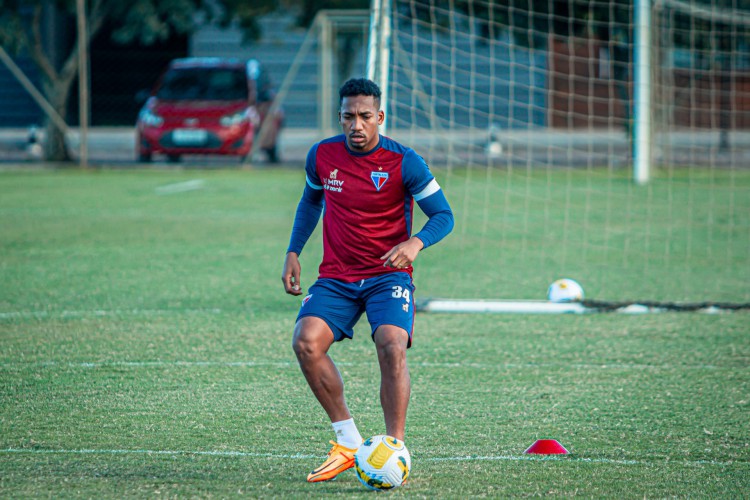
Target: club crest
379, 178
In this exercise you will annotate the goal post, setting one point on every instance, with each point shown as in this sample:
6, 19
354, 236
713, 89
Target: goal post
606, 141
379, 50
642, 98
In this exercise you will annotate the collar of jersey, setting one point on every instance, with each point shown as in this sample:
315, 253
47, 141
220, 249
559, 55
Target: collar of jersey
354, 153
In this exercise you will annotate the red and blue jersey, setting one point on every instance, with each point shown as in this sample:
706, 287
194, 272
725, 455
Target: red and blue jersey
369, 200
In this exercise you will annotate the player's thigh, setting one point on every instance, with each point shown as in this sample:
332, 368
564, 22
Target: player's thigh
390, 303
335, 303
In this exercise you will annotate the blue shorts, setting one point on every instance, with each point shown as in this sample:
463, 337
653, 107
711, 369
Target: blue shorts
387, 300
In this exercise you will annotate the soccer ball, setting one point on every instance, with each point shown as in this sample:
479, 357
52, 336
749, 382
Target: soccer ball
382, 463
565, 290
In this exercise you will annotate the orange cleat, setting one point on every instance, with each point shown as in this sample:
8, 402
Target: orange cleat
340, 458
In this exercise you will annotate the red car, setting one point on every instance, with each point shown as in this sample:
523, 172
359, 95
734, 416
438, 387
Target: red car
209, 106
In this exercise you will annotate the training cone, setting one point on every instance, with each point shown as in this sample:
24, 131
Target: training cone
546, 447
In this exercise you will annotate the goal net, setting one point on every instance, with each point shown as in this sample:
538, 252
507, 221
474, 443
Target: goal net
525, 112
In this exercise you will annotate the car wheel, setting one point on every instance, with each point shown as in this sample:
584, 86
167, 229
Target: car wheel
173, 158
144, 157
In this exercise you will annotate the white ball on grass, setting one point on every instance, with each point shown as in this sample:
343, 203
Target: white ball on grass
565, 290
382, 463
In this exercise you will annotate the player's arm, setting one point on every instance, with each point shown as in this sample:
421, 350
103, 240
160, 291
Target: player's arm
440, 219
305, 219
426, 191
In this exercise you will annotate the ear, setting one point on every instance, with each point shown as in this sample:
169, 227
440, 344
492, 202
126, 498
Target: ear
381, 117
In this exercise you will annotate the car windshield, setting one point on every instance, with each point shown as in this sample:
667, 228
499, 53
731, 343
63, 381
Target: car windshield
212, 84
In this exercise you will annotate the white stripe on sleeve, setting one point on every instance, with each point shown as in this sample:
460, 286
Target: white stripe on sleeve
431, 188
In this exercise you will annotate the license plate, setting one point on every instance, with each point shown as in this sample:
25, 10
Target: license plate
189, 137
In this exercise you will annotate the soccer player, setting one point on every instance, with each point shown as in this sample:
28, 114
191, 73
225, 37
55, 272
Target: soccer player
368, 184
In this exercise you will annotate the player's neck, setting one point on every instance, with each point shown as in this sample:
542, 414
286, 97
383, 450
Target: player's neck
364, 152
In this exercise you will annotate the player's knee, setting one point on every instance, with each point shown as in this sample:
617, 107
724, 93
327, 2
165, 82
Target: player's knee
302, 345
391, 343
392, 353
309, 342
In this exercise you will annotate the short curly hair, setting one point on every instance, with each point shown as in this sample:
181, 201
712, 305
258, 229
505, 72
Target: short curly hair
359, 86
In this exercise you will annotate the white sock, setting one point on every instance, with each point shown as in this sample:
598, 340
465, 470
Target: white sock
347, 433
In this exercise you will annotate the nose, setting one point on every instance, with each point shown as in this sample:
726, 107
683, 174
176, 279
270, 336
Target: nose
355, 124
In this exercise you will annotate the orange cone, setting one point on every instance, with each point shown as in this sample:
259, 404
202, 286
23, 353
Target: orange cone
546, 447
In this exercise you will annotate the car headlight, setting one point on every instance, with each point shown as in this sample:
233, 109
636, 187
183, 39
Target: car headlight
150, 119
233, 119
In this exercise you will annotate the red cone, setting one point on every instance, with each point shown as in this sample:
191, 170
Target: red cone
546, 447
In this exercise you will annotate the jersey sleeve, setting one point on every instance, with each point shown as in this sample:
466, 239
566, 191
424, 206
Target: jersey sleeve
309, 208
311, 171
415, 172
439, 218
426, 191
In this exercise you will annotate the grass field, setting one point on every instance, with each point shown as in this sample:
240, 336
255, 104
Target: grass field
145, 343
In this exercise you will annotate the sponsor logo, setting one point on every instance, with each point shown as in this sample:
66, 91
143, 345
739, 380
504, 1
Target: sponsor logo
306, 299
332, 183
379, 178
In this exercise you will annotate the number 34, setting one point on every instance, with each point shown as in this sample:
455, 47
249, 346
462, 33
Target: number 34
399, 292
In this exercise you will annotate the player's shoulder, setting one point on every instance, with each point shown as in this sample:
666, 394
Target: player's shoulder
336, 139
312, 154
410, 158
389, 144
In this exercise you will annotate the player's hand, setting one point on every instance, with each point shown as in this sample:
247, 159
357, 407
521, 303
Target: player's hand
290, 275
403, 255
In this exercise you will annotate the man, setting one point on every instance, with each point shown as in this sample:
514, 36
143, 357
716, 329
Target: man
369, 184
